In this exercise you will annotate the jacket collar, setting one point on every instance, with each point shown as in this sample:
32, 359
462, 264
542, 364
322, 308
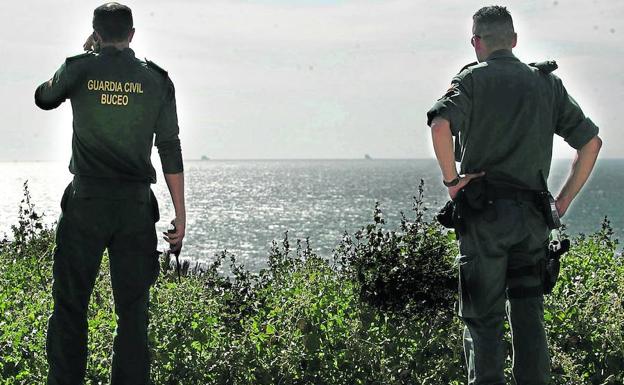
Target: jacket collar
112, 51
501, 54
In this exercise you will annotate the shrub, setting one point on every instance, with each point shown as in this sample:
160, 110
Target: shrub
25, 302
379, 312
585, 313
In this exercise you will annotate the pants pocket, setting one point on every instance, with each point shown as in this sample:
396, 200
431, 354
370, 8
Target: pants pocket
66, 195
154, 205
155, 268
466, 285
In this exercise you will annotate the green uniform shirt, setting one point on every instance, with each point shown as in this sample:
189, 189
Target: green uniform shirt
119, 104
504, 114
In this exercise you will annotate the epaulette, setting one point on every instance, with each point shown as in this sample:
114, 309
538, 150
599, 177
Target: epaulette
545, 67
155, 66
80, 56
467, 66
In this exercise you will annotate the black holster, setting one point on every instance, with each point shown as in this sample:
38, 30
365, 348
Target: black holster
553, 264
451, 216
445, 215
548, 207
470, 201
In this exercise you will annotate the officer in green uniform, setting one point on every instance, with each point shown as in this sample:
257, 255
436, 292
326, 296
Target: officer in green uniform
121, 106
503, 115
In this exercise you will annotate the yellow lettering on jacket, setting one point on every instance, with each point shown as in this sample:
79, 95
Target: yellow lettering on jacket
133, 88
114, 99
113, 92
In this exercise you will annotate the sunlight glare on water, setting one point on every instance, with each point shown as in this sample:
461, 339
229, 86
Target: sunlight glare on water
242, 206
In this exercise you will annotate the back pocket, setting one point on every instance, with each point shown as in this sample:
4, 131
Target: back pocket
155, 210
69, 190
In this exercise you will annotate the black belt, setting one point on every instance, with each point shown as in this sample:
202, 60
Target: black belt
109, 188
513, 193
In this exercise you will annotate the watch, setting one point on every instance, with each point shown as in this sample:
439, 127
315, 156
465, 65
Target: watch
451, 183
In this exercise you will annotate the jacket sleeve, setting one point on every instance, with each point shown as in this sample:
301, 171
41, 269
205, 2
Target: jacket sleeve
55, 91
167, 131
456, 105
572, 124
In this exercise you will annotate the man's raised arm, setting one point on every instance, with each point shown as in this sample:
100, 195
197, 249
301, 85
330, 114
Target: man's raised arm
52, 93
581, 169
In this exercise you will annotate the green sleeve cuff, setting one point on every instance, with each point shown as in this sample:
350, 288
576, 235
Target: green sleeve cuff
582, 134
170, 154
444, 109
455, 105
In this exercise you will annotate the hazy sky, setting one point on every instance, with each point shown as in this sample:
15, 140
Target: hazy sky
305, 78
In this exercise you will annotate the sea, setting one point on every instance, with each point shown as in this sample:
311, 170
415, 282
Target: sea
243, 205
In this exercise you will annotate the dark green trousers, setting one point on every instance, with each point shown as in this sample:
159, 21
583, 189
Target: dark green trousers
89, 224
513, 236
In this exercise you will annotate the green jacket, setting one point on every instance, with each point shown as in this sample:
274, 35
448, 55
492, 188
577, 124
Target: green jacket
120, 106
504, 114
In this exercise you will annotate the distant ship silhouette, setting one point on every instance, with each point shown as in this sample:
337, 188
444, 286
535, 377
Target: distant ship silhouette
367, 157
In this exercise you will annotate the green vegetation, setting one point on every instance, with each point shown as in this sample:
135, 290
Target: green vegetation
380, 312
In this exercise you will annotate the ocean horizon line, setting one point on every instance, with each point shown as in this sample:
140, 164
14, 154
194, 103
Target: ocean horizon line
279, 159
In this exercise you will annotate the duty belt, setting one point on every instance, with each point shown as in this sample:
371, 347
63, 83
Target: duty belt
499, 191
109, 188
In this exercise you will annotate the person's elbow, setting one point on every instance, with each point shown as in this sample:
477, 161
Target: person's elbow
38, 102
43, 105
42, 102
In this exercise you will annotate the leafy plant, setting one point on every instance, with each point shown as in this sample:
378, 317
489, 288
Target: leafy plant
379, 312
585, 313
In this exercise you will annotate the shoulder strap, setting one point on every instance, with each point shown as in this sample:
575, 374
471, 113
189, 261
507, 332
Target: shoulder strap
468, 66
156, 67
79, 57
545, 67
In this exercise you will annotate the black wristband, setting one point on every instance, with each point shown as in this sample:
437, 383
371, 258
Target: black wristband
451, 183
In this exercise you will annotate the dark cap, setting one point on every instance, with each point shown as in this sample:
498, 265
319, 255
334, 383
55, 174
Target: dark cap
112, 21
